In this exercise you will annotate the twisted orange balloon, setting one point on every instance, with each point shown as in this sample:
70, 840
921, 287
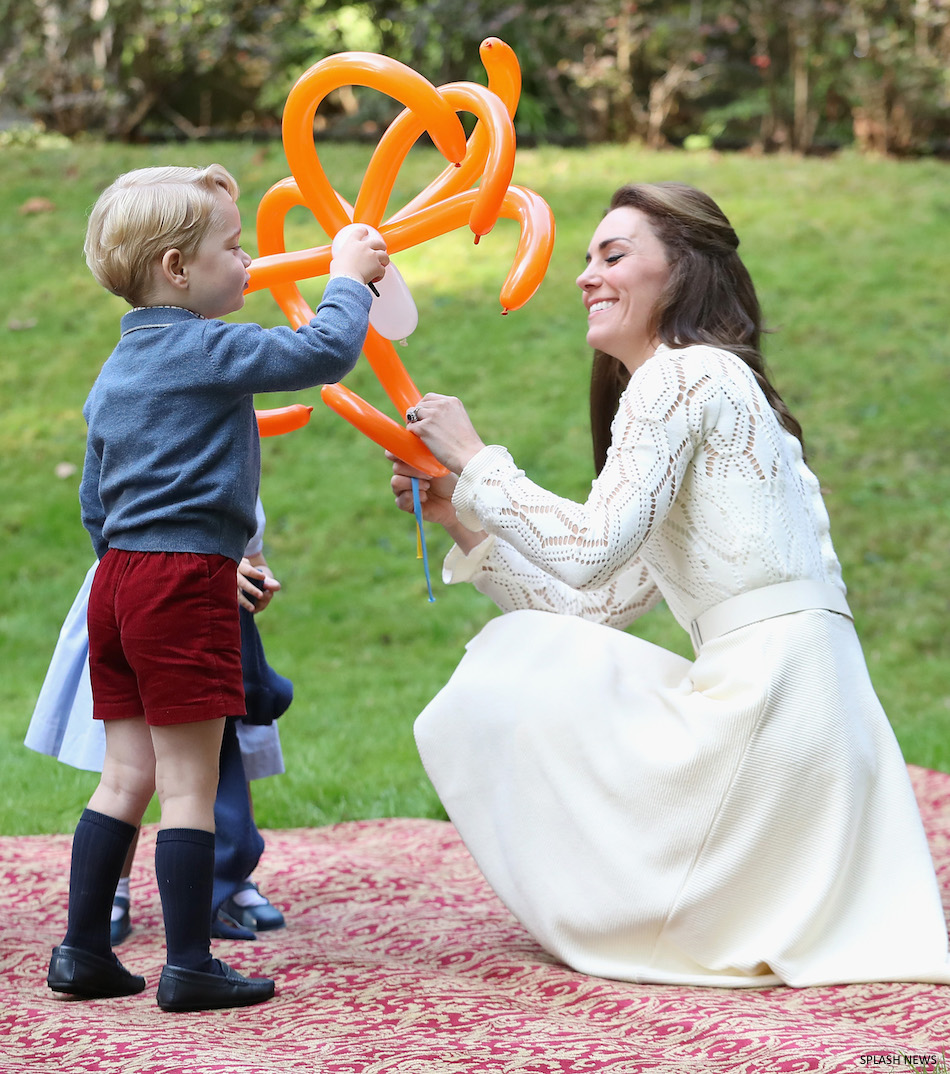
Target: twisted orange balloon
283, 419
448, 203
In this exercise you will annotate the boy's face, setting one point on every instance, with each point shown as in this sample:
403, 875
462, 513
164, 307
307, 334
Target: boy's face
217, 271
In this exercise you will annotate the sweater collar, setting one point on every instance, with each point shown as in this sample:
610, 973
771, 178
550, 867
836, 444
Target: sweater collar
156, 317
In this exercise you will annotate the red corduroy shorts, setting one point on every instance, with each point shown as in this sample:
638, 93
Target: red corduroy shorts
164, 637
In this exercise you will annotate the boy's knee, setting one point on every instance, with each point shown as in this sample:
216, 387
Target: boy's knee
128, 784
126, 802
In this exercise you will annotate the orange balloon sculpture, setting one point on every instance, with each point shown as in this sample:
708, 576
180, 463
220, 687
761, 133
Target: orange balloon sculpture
282, 420
447, 203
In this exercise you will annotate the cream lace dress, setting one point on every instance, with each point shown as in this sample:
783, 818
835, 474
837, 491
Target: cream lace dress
742, 819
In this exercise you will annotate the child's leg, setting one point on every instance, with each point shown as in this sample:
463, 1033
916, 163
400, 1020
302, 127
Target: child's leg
83, 964
238, 844
127, 782
106, 831
186, 777
100, 843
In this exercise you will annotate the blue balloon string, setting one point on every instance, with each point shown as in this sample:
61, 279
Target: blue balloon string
417, 507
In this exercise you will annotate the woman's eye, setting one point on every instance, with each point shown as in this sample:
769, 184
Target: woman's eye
612, 259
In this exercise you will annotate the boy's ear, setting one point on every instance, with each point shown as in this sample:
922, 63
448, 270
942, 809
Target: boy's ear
173, 268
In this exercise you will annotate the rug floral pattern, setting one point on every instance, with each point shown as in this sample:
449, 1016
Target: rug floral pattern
398, 959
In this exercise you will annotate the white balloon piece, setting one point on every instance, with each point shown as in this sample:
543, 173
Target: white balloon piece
393, 313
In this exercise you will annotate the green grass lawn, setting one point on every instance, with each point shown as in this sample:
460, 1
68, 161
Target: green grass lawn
850, 257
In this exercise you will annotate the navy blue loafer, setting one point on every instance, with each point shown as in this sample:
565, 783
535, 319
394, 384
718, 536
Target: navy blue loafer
81, 973
181, 989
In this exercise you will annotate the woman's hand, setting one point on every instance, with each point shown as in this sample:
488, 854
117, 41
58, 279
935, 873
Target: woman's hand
443, 425
435, 493
256, 585
435, 498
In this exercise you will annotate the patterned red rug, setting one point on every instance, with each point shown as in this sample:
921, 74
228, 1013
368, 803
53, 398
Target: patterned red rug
398, 958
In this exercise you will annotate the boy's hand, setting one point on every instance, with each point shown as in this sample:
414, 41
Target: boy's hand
359, 251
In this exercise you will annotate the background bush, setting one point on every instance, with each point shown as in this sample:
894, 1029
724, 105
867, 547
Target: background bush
804, 75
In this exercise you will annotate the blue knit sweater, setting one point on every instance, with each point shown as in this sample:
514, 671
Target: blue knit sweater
172, 454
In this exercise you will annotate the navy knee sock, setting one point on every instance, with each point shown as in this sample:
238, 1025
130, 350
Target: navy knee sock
100, 845
184, 869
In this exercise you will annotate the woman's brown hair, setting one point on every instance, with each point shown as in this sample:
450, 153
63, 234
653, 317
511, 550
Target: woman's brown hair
709, 298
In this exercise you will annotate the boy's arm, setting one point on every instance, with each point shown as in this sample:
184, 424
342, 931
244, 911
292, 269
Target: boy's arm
90, 503
340, 323
253, 359
342, 318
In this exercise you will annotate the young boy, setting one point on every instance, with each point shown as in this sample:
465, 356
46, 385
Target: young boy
168, 494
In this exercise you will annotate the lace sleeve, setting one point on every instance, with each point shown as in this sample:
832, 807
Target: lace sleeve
663, 414
506, 577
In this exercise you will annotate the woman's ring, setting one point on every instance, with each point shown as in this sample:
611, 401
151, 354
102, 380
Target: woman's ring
412, 414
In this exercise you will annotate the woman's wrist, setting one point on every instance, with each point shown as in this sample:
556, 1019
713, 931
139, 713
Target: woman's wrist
466, 455
465, 538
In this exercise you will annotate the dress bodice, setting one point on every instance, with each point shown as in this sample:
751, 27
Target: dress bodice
703, 495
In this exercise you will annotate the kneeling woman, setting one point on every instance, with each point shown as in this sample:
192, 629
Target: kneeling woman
745, 818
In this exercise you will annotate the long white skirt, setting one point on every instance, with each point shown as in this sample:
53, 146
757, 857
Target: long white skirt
746, 819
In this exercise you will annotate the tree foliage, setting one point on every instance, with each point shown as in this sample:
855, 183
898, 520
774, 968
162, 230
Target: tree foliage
792, 74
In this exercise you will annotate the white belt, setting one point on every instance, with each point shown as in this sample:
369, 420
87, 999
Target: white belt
766, 603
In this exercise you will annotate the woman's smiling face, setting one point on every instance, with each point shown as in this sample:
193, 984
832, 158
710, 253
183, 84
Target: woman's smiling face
627, 270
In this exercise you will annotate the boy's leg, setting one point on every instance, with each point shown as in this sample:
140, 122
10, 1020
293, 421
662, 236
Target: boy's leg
84, 964
99, 847
106, 831
186, 779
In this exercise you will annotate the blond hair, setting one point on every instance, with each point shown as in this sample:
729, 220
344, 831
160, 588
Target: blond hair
143, 214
